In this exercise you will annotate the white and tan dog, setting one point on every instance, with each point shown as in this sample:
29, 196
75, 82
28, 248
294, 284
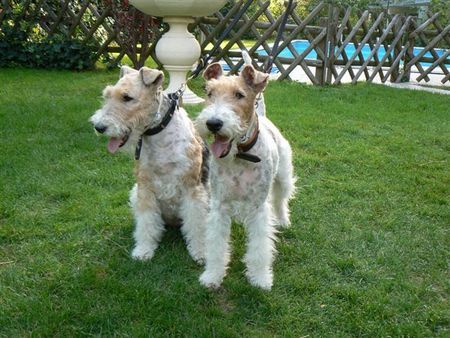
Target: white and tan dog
251, 174
171, 172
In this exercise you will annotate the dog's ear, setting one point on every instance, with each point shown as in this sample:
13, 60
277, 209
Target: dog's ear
124, 70
246, 57
151, 76
213, 71
254, 79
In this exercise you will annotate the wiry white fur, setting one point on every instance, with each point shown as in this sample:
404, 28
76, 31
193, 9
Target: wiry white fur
254, 194
164, 156
162, 194
232, 125
121, 118
149, 228
116, 125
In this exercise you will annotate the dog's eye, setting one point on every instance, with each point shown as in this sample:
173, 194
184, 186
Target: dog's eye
239, 95
209, 94
127, 98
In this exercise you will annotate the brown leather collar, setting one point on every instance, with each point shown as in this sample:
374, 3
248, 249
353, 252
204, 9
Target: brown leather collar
243, 148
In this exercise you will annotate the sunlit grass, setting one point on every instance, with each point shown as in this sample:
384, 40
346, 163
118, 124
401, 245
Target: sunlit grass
367, 254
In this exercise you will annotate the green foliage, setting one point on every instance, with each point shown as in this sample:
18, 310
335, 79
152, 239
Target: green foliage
360, 4
57, 52
443, 7
304, 7
23, 44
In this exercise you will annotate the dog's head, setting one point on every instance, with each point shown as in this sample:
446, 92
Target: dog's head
129, 106
230, 106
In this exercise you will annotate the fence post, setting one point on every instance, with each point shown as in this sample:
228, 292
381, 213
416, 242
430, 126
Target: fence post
397, 50
333, 14
322, 70
409, 52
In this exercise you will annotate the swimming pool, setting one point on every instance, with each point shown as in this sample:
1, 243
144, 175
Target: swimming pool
301, 45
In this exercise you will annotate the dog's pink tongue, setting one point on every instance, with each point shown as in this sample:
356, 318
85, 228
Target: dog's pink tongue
220, 146
114, 144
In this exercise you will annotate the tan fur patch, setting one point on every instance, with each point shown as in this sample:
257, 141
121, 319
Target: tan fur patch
143, 99
146, 191
229, 90
194, 153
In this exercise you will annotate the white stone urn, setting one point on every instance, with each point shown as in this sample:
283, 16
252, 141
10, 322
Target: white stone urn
178, 49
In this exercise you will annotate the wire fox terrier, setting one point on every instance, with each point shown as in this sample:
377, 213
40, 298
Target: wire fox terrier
172, 170
251, 174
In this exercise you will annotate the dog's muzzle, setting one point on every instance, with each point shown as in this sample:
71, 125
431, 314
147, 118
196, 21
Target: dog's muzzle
214, 125
100, 128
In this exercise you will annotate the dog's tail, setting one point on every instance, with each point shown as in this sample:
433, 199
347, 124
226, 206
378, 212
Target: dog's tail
260, 104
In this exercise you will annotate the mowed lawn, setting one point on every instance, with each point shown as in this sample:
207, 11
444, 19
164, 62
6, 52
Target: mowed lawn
367, 254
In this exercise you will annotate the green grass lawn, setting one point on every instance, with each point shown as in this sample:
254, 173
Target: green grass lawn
367, 254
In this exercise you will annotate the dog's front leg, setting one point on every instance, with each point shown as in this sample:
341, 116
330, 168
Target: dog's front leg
194, 212
260, 248
149, 223
218, 229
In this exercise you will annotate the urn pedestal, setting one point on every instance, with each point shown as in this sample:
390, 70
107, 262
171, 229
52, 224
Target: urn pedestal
178, 49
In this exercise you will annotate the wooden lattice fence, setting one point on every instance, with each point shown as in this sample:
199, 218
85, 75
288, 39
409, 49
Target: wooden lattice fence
392, 48
263, 25
113, 29
338, 44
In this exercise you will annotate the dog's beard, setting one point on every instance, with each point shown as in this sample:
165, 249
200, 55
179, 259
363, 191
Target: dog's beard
123, 135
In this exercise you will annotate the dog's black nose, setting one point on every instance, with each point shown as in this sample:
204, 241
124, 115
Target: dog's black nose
214, 125
100, 128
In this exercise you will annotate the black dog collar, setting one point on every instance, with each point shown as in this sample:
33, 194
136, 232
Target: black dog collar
174, 98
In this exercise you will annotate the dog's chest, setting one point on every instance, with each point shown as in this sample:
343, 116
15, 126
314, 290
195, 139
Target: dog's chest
241, 182
166, 163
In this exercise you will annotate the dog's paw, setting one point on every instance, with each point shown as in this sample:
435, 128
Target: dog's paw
284, 222
210, 280
197, 256
142, 253
261, 280
199, 260
282, 218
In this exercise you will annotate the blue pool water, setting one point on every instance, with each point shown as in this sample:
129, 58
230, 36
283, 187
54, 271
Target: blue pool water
301, 45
